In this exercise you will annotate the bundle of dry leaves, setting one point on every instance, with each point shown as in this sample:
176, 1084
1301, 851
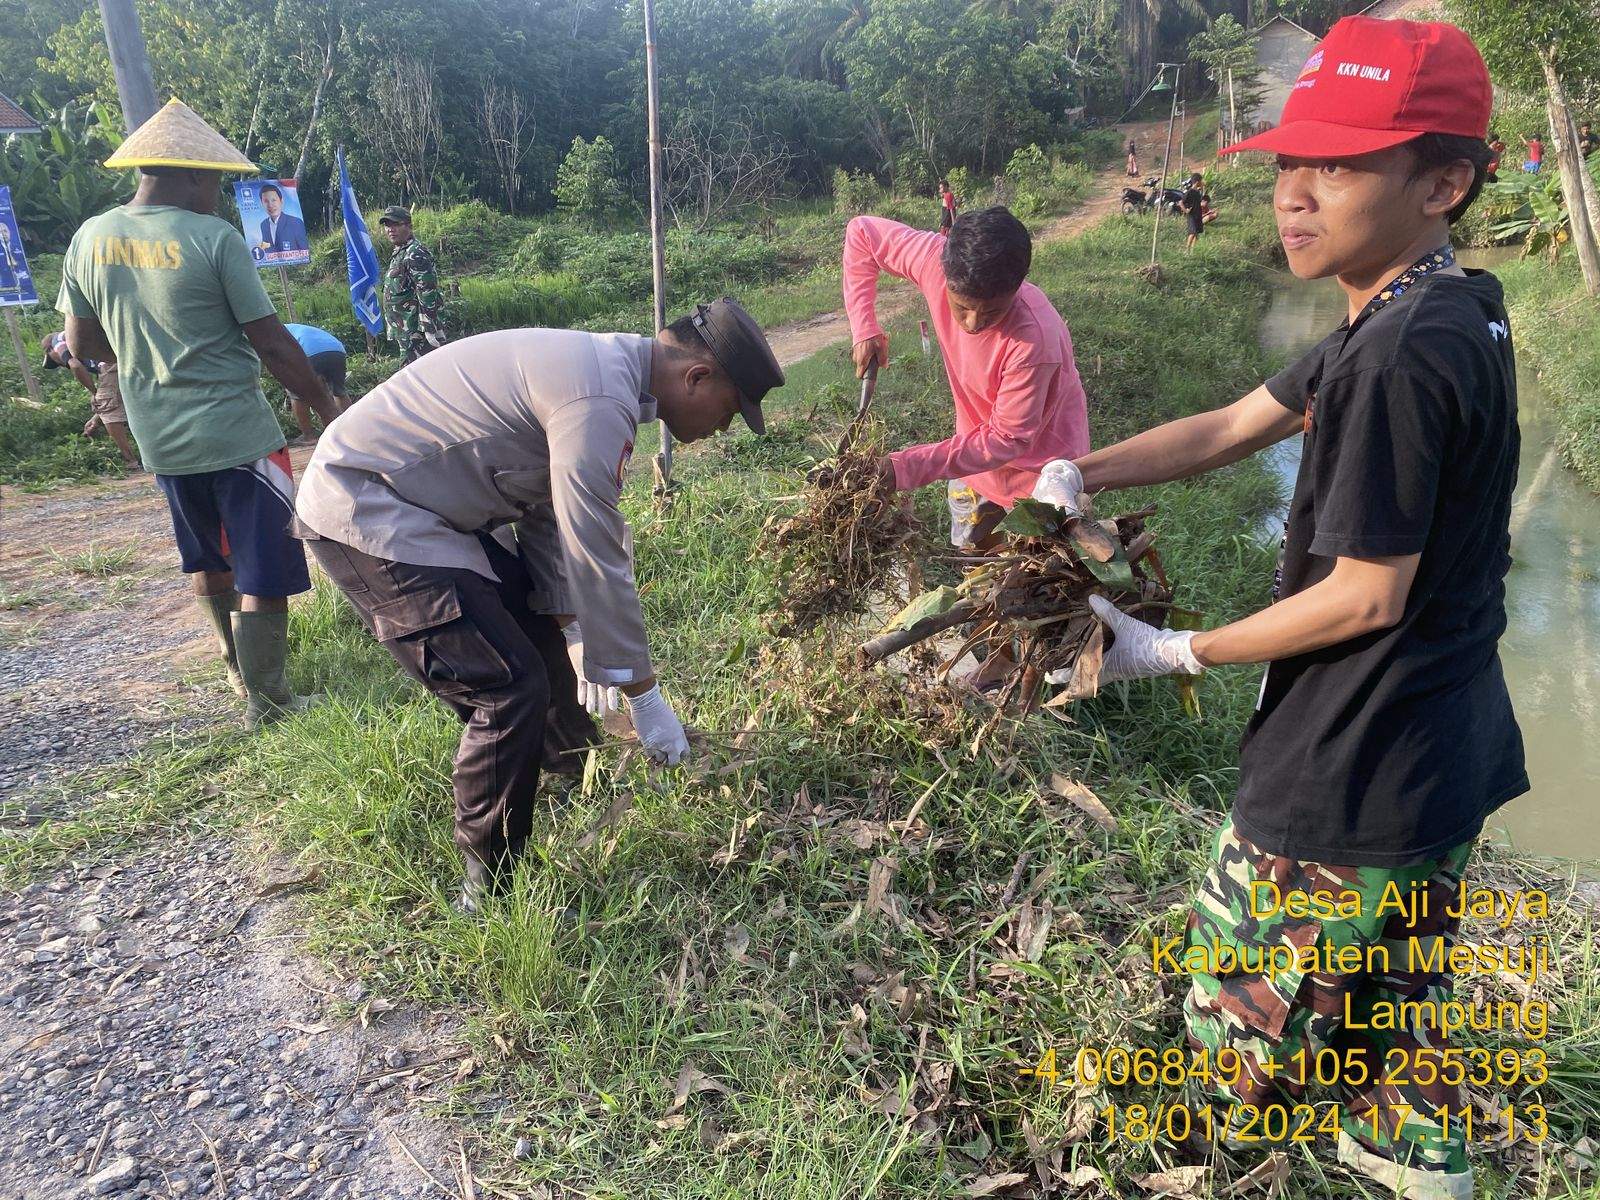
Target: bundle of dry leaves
838, 548
1025, 606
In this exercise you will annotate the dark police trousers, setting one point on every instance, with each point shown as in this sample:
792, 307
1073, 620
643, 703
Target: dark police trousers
502, 669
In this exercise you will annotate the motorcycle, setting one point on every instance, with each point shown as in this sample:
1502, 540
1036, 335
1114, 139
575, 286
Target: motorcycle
1136, 200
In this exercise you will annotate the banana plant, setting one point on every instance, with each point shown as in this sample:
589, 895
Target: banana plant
56, 178
1530, 209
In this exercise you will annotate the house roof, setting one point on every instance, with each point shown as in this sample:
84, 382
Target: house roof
1281, 19
1395, 9
14, 120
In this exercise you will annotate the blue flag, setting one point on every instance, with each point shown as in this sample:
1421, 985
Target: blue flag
360, 257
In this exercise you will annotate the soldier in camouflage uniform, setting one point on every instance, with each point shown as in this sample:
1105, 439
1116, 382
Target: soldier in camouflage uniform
1271, 1018
411, 301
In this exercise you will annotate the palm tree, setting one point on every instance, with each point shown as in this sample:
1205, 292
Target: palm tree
817, 33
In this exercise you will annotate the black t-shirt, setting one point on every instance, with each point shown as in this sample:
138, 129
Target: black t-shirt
1193, 203
1394, 746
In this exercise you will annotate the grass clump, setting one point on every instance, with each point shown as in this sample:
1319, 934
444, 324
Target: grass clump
99, 562
1557, 327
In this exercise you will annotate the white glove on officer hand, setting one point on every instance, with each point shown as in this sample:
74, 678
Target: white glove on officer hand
1140, 651
596, 697
1060, 484
660, 732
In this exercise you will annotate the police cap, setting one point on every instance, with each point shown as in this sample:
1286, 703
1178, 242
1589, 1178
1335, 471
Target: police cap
395, 215
741, 349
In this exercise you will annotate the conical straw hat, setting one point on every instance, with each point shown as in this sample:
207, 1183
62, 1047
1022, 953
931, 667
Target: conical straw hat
177, 136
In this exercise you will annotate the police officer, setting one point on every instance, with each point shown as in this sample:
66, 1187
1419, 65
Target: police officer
412, 305
470, 505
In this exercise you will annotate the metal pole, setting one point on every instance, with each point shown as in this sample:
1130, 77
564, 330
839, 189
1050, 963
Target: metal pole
1166, 155
658, 260
1233, 114
22, 355
288, 297
129, 62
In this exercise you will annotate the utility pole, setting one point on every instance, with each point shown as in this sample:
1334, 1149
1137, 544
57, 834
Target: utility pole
658, 260
1166, 157
1233, 114
130, 62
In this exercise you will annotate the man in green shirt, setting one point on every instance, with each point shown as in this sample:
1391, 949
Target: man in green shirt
168, 289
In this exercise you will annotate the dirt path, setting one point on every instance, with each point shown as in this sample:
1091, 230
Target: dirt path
161, 1034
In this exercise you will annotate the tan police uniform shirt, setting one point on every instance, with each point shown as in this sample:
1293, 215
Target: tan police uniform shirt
533, 426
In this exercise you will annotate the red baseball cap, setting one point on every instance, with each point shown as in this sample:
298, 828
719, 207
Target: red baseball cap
1372, 84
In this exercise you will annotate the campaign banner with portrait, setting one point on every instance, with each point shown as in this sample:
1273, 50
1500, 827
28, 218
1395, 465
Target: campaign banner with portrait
16, 281
274, 228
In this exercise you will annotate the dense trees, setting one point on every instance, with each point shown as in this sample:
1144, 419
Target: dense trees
483, 99
1548, 47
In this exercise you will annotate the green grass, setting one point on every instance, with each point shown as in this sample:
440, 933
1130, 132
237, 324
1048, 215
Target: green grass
99, 561
715, 919
1557, 327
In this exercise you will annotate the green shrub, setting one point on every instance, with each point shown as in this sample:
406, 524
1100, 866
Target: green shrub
708, 263
544, 249
615, 265
1069, 183
1202, 134
913, 173
855, 192
1028, 172
468, 236
46, 445
1091, 147
327, 306
586, 181
327, 253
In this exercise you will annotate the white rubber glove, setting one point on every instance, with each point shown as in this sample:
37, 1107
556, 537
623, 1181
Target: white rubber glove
1141, 651
660, 732
1061, 484
596, 697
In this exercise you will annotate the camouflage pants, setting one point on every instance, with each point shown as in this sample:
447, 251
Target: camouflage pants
416, 345
1388, 1128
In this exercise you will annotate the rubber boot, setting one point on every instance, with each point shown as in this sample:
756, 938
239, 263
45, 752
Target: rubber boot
219, 610
480, 881
261, 640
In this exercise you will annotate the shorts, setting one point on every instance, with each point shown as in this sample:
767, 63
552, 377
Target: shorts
972, 518
1532, 168
1269, 1015
107, 400
946, 220
329, 366
1197, 223
237, 519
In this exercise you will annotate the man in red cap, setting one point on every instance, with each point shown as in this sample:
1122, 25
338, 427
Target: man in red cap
1383, 736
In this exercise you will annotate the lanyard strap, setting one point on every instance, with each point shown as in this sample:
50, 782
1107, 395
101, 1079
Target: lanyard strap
1429, 264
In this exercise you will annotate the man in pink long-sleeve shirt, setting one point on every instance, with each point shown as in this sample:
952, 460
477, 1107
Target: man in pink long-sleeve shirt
1018, 399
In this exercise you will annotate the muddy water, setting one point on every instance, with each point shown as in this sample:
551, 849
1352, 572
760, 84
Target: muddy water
1551, 649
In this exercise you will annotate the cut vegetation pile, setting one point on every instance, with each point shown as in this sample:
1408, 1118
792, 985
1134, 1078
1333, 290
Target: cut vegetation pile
1026, 606
839, 547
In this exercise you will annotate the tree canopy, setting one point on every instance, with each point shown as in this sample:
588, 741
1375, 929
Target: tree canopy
461, 99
